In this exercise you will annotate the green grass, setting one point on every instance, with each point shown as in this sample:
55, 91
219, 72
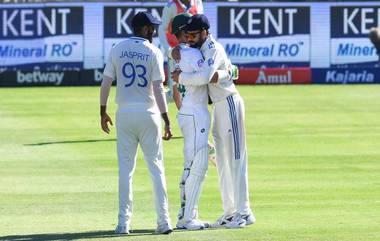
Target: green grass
314, 167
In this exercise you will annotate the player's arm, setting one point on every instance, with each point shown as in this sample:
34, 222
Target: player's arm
109, 75
205, 73
225, 76
177, 96
175, 53
104, 93
158, 77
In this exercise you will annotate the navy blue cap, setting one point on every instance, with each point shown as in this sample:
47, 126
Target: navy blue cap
197, 22
143, 19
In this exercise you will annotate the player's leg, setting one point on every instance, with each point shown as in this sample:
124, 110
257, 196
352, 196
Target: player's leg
126, 150
150, 138
186, 124
199, 167
239, 165
193, 189
223, 140
195, 130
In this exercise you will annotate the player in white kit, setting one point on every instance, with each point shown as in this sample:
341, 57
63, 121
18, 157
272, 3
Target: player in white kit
228, 123
138, 67
194, 122
167, 39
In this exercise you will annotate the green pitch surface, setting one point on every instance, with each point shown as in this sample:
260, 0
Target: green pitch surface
314, 167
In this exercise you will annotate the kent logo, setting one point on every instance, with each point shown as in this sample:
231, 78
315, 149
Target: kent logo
354, 21
248, 22
40, 22
117, 20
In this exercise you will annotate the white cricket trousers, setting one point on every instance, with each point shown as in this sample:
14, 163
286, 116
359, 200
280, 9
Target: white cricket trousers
144, 127
231, 154
195, 127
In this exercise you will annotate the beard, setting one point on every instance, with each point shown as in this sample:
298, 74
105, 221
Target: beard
196, 45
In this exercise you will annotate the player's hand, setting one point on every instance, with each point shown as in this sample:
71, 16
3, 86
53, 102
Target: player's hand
214, 78
176, 55
175, 75
167, 133
104, 119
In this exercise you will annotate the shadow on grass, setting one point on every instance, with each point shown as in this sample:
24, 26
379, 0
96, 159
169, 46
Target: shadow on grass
76, 236
68, 142
81, 141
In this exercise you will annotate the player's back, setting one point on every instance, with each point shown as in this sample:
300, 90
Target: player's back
216, 56
192, 61
135, 66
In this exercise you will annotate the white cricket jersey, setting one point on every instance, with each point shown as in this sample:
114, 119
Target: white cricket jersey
135, 63
215, 59
192, 61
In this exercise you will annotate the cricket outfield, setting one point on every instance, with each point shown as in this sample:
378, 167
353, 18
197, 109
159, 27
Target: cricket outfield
314, 167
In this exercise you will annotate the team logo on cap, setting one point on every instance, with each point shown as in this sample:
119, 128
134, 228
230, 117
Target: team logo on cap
189, 21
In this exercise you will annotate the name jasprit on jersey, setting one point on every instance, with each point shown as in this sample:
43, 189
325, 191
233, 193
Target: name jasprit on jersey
134, 55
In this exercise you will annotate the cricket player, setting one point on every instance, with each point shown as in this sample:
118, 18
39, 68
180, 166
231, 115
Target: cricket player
228, 124
194, 121
138, 67
167, 39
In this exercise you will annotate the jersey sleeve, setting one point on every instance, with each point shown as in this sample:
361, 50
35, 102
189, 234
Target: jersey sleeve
196, 63
110, 70
191, 60
158, 73
206, 71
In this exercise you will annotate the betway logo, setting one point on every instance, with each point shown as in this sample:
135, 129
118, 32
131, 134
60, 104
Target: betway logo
343, 77
40, 77
266, 78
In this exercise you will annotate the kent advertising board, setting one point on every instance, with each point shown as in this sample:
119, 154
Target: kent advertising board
41, 36
350, 26
271, 36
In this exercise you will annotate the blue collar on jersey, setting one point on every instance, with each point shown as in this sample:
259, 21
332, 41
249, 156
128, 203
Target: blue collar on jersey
139, 38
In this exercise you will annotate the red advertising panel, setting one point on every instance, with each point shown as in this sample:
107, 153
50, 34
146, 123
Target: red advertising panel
274, 76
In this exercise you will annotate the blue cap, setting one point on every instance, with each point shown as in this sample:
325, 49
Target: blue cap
197, 22
143, 19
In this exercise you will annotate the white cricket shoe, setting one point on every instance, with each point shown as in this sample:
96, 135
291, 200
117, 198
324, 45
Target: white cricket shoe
164, 228
249, 218
180, 224
194, 224
237, 222
222, 221
121, 229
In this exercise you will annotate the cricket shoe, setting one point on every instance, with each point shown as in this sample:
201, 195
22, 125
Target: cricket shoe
121, 229
222, 221
194, 224
164, 228
249, 218
237, 222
